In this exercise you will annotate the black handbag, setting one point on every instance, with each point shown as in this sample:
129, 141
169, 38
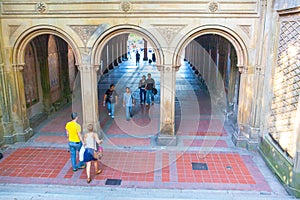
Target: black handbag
154, 91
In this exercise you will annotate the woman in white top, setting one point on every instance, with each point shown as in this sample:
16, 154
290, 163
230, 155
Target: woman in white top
90, 154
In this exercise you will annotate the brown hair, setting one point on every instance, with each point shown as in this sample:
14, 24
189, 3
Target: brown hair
90, 127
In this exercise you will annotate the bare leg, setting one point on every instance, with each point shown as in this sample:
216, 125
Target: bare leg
88, 171
97, 170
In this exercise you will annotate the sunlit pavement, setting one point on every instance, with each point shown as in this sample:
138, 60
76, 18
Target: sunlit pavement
204, 165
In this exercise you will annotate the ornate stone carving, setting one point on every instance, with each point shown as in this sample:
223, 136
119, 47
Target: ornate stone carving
213, 6
247, 29
12, 29
41, 7
85, 32
125, 6
169, 31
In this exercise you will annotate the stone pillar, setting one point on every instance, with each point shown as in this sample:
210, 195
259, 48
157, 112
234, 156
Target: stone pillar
104, 64
45, 83
88, 79
110, 55
248, 120
17, 124
166, 135
4, 114
119, 47
3, 108
125, 51
145, 50
114, 44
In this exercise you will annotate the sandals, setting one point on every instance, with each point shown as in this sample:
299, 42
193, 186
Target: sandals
98, 171
88, 180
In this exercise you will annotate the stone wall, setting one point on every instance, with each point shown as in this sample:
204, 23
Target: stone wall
280, 144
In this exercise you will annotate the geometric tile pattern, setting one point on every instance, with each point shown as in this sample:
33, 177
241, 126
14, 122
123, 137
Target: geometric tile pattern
222, 168
34, 162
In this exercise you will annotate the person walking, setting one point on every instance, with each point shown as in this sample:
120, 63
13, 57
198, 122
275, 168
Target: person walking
90, 154
128, 103
137, 57
111, 99
73, 133
142, 85
150, 84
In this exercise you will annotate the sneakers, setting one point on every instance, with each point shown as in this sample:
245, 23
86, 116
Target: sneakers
109, 114
112, 116
82, 167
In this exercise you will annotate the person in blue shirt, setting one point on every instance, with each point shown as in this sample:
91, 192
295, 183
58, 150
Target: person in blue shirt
128, 102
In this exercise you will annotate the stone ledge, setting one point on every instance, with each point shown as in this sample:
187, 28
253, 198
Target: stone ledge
281, 165
166, 140
37, 119
18, 137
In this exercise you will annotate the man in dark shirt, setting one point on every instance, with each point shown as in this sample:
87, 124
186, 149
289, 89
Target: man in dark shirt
111, 98
150, 84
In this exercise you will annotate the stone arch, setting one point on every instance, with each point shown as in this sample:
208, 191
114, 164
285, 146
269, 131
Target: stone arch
234, 38
121, 29
31, 33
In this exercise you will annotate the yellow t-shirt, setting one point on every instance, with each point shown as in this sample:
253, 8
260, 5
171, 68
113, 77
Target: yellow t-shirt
73, 129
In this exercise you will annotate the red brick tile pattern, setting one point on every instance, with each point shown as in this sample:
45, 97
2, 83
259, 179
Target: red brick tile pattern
218, 169
34, 162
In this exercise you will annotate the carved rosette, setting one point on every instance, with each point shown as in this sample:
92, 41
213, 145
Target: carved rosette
213, 6
125, 6
41, 7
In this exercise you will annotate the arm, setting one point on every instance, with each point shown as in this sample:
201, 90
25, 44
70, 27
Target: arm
84, 139
67, 134
124, 100
96, 137
80, 137
116, 99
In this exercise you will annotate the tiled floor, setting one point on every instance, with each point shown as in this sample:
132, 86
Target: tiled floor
130, 150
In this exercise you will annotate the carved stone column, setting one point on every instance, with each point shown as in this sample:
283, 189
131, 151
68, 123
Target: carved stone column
166, 135
125, 39
115, 55
88, 76
4, 113
16, 120
247, 134
119, 47
239, 137
110, 55
145, 50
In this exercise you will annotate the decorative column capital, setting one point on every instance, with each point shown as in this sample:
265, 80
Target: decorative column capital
168, 68
18, 67
85, 68
243, 69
